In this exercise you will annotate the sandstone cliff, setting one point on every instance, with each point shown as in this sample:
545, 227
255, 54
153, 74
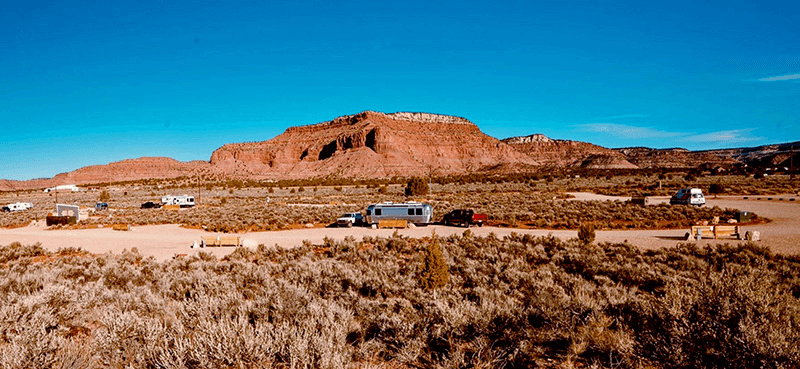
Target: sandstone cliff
371, 144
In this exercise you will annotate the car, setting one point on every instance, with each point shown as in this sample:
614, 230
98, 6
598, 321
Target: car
151, 205
350, 219
101, 206
688, 196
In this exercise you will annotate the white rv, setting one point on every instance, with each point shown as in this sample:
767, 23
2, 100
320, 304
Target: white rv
63, 188
412, 211
185, 201
18, 206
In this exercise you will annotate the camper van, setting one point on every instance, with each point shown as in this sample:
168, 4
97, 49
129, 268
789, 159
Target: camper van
413, 212
688, 196
18, 206
185, 201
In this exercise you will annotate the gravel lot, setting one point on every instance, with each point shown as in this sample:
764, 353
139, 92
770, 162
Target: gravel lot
165, 241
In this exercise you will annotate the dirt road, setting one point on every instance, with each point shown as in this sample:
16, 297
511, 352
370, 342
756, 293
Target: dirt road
165, 241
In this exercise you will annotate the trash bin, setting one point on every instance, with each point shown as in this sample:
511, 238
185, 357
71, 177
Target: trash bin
744, 216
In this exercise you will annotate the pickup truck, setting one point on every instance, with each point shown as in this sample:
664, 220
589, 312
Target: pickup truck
350, 219
464, 217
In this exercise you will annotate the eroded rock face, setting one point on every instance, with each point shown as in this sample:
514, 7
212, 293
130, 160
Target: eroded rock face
674, 158
370, 144
569, 153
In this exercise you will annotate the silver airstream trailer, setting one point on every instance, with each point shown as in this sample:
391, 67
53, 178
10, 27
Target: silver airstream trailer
413, 212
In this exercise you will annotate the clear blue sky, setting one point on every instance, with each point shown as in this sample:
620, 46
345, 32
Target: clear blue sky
91, 82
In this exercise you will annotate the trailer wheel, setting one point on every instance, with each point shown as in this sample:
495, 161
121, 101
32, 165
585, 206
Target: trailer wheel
480, 224
466, 224
349, 225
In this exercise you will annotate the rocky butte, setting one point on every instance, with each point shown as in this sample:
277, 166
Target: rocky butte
372, 144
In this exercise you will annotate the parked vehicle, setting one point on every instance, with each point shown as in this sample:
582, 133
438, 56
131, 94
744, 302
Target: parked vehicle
464, 217
412, 211
350, 219
18, 206
688, 196
185, 201
151, 205
101, 206
63, 188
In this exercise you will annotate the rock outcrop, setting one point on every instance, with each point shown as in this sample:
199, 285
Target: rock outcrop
569, 153
674, 158
370, 144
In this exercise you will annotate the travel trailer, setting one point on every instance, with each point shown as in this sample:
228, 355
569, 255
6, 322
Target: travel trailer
413, 212
185, 201
688, 196
18, 206
63, 188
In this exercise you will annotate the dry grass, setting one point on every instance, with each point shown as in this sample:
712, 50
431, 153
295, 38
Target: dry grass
511, 302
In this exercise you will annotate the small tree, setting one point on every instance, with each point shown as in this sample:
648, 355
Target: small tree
586, 233
716, 188
104, 196
435, 272
416, 187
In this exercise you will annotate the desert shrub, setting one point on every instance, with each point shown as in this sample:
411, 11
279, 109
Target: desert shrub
517, 301
716, 188
416, 187
104, 196
434, 273
586, 233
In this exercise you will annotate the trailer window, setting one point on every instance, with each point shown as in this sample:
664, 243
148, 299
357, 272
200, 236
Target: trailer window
410, 211
419, 211
378, 211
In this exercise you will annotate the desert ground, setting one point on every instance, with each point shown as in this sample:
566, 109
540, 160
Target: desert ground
163, 242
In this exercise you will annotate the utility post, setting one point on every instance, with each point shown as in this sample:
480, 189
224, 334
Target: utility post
198, 190
791, 161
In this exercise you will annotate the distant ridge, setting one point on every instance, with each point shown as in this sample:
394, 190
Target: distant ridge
372, 144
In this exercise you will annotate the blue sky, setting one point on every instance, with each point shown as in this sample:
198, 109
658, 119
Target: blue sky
91, 82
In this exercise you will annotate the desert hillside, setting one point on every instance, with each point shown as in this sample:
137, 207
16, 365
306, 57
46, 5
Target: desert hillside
569, 153
371, 144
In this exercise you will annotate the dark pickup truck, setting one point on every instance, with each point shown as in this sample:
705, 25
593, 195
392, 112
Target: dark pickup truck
464, 217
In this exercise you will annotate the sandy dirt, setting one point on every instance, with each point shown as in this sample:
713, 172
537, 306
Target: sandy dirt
166, 241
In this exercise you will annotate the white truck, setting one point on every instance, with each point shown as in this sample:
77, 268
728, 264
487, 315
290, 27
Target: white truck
688, 196
185, 201
18, 206
350, 219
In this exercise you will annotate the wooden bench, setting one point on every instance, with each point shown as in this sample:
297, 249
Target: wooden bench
727, 231
121, 227
229, 241
209, 241
392, 223
717, 231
